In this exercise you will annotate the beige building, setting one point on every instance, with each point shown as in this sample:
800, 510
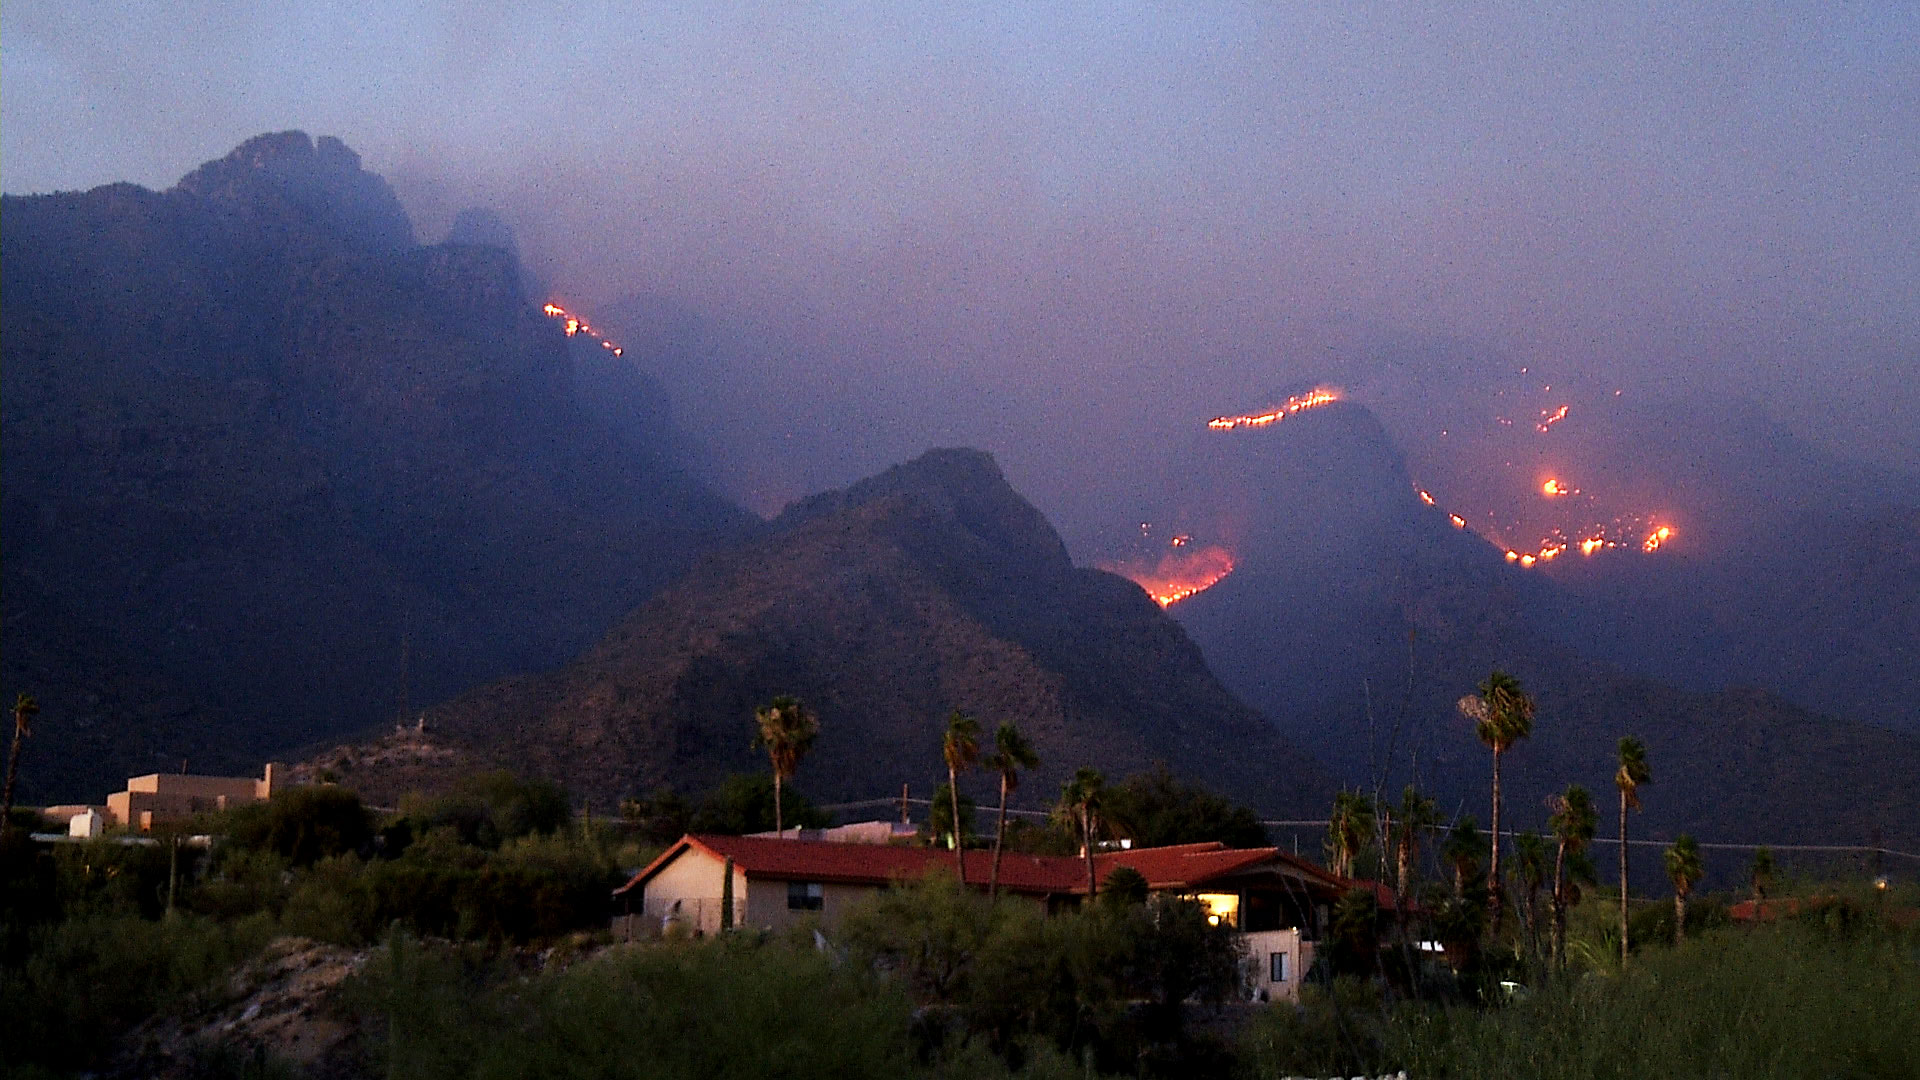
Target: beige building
1278, 902
161, 797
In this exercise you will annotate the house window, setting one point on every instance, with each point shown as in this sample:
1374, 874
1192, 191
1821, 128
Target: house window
1277, 967
1223, 909
805, 895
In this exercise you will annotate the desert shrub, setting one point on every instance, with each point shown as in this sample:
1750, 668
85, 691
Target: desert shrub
1336, 1029
88, 977
487, 809
727, 1008
301, 824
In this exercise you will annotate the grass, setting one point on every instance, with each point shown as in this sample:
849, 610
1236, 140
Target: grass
1796, 1000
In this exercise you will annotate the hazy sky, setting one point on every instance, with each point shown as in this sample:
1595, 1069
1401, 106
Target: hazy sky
1031, 226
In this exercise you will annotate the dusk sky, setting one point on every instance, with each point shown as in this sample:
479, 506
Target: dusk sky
1034, 228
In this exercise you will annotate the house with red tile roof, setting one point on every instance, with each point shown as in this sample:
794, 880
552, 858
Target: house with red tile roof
1279, 901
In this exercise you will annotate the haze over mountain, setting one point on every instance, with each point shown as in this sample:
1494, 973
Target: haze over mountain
265, 451
884, 606
1356, 614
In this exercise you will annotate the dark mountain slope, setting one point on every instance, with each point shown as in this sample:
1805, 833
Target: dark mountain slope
1356, 616
931, 587
304, 469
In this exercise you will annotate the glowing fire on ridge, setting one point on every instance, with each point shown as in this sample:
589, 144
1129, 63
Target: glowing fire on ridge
573, 324
1183, 570
1322, 395
1548, 418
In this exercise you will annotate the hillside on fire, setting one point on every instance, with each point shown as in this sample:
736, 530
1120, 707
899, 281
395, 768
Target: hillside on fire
931, 587
272, 469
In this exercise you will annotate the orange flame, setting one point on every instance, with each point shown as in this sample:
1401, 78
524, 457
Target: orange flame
1323, 395
1550, 418
1179, 573
1656, 538
572, 324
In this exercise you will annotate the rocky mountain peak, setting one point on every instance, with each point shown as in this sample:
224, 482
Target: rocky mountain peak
290, 180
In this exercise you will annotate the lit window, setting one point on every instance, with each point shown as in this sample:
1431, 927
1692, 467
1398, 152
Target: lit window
1277, 967
805, 895
1223, 909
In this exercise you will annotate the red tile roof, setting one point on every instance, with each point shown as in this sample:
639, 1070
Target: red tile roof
1181, 867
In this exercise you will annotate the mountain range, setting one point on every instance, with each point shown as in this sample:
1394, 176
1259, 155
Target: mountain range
278, 475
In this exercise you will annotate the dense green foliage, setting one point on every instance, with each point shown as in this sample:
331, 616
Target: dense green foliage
1154, 809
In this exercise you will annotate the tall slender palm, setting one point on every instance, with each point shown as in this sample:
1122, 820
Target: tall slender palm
1685, 867
1348, 829
1011, 754
1502, 715
1411, 820
1632, 773
1081, 800
1463, 849
24, 710
960, 746
1530, 860
1574, 822
787, 730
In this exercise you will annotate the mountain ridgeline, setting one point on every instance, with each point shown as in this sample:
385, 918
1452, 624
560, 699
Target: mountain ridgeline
930, 587
273, 470
1356, 615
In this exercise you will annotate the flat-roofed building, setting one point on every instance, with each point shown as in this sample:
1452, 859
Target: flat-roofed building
161, 797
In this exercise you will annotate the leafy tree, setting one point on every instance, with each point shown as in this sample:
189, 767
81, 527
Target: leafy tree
303, 824
1462, 850
661, 817
1125, 885
1348, 829
1684, 868
1574, 823
1155, 809
1502, 715
1082, 800
489, 808
787, 729
1011, 755
960, 748
25, 708
1632, 773
744, 803
941, 824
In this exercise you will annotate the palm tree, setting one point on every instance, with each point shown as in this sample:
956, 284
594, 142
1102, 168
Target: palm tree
960, 746
1348, 829
1011, 753
1502, 715
1684, 866
787, 730
1632, 773
1412, 818
1463, 849
1760, 875
1573, 822
1530, 858
1081, 800
24, 710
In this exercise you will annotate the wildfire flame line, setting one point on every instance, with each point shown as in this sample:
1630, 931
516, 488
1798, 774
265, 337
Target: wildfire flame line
574, 324
1184, 570
1319, 396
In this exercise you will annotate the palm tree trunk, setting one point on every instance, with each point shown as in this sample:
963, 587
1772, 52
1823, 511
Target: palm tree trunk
1560, 907
1679, 916
13, 774
1623, 878
1493, 867
779, 824
959, 843
999, 839
1086, 832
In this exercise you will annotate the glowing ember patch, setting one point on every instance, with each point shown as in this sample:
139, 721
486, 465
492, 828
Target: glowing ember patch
1656, 538
1550, 418
573, 325
1553, 489
1514, 555
1324, 395
1426, 498
1527, 560
1591, 545
1179, 573
1458, 521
